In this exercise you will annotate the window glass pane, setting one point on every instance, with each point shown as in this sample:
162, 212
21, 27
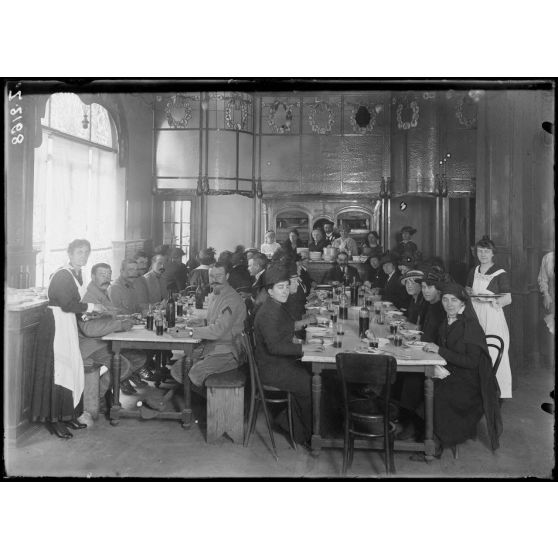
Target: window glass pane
177, 153
100, 125
67, 113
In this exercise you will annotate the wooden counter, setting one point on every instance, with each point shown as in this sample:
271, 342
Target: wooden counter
22, 323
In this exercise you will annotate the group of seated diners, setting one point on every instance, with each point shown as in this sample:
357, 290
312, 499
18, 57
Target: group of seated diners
265, 291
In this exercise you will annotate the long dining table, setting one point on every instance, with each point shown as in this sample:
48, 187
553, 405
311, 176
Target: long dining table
140, 338
409, 359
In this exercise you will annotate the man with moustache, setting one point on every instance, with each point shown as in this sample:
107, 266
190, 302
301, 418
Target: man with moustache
151, 288
122, 293
329, 234
95, 351
221, 350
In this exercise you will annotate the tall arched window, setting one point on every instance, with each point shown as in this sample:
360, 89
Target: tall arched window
76, 183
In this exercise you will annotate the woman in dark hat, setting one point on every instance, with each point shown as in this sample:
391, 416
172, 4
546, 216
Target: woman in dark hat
416, 310
278, 352
431, 291
406, 245
393, 291
470, 390
374, 276
239, 277
371, 245
488, 279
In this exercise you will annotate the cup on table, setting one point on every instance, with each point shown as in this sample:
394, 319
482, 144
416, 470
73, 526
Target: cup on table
373, 343
393, 328
397, 340
333, 316
339, 329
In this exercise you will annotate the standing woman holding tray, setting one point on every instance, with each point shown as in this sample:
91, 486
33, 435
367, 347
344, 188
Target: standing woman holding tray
488, 279
58, 376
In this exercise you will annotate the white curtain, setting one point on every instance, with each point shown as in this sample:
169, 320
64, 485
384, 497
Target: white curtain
75, 197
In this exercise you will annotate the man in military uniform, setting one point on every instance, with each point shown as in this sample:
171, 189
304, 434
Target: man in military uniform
151, 288
95, 351
220, 351
122, 293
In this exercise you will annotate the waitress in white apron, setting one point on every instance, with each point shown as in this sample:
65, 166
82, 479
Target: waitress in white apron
58, 380
487, 279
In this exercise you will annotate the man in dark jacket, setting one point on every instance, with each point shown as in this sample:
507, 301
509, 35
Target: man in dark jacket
341, 272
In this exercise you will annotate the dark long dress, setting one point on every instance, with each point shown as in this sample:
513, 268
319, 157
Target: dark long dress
277, 356
49, 401
461, 399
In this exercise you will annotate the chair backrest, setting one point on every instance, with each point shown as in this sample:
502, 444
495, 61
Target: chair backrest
248, 347
496, 342
376, 371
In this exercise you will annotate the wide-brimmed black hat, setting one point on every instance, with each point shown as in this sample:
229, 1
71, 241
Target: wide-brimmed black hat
408, 229
434, 277
413, 274
454, 289
276, 273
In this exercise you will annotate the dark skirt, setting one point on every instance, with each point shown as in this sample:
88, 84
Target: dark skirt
49, 401
458, 406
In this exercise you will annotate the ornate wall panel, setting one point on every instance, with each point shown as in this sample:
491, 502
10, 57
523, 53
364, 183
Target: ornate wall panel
362, 158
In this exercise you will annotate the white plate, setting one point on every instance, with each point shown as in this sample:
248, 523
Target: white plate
416, 343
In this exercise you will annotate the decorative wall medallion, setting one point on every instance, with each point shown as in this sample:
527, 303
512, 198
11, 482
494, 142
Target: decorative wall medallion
321, 117
363, 119
236, 113
178, 111
280, 117
407, 115
466, 112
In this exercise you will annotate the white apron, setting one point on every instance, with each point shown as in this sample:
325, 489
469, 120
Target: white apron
68, 364
493, 322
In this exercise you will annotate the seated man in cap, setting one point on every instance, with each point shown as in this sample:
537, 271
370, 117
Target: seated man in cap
220, 351
151, 288
341, 271
393, 291
95, 351
122, 293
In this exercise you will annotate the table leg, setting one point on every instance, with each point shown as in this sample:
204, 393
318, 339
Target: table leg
316, 443
187, 412
429, 444
115, 371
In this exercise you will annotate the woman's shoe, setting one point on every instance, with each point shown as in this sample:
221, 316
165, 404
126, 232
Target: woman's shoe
59, 429
75, 425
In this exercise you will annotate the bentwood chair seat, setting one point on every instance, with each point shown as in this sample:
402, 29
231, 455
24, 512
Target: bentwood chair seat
370, 417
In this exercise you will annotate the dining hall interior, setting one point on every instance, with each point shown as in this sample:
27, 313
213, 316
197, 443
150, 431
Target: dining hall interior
161, 167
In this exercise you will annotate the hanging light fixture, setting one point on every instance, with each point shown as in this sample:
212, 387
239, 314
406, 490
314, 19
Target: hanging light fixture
85, 121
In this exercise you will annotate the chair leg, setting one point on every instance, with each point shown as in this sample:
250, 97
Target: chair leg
351, 449
391, 456
270, 429
254, 417
290, 419
455, 451
345, 450
250, 415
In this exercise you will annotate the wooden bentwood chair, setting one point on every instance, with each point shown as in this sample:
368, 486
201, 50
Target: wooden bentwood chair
494, 342
370, 417
264, 394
